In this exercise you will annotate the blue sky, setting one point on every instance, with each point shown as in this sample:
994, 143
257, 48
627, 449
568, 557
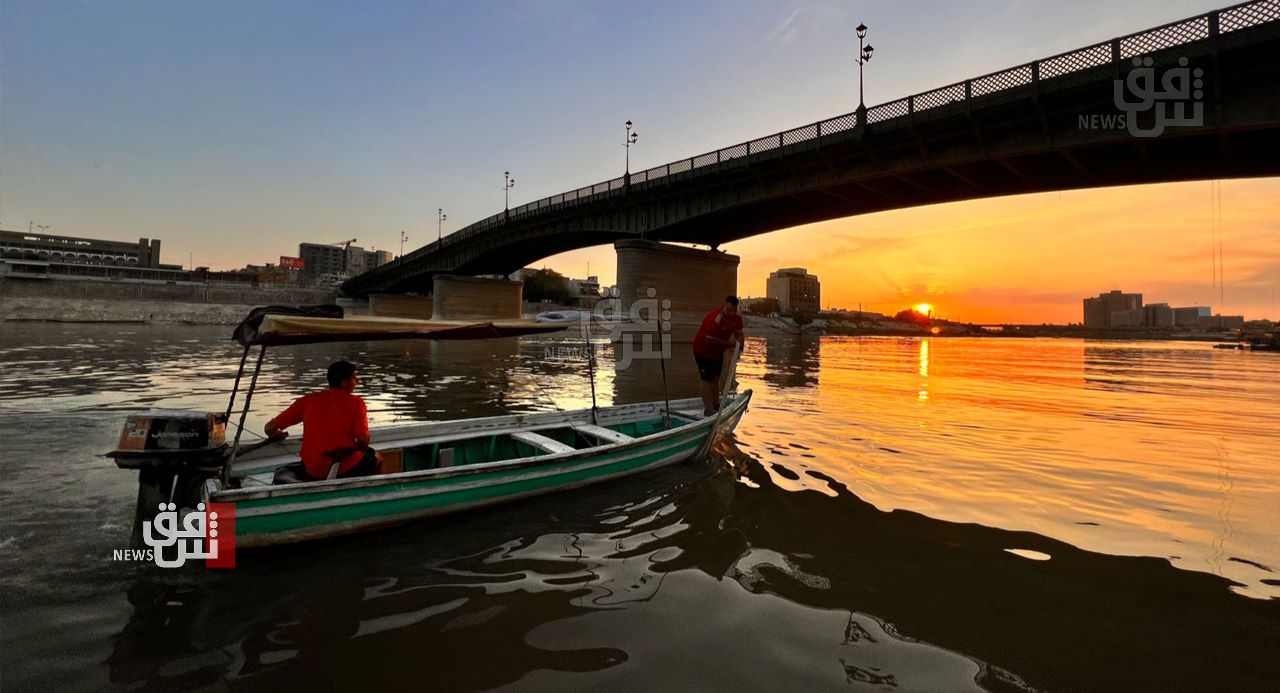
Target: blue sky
235, 130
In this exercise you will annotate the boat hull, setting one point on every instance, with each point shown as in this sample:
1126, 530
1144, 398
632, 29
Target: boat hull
331, 508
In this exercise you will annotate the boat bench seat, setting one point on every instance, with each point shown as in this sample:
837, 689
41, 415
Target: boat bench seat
541, 442
602, 433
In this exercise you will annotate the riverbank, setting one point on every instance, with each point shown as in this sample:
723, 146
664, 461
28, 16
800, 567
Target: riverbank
89, 301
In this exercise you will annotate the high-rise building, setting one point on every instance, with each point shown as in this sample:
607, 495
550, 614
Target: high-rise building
325, 259
322, 258
795, 290
1098, 311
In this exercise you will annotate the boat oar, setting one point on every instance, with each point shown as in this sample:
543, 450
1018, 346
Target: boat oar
724, 394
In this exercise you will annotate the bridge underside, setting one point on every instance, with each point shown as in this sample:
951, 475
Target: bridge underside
1036, 138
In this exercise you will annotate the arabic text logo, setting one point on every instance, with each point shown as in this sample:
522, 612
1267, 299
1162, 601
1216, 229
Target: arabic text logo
1180, 89
174, 537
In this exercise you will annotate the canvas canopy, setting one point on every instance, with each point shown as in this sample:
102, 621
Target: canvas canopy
272, 329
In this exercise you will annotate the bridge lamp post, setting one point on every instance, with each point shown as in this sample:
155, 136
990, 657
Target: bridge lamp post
507, 185
440, 217
403, 238
627, 141
864, 56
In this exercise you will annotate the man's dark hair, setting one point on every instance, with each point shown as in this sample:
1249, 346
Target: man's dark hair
731, 300
339, 371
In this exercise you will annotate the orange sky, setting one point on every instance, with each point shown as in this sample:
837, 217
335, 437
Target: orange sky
1028, 259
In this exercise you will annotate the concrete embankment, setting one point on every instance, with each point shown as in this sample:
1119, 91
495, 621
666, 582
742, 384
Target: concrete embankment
52, 300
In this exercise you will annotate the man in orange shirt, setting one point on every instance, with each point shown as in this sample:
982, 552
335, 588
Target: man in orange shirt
335, 425
720, 330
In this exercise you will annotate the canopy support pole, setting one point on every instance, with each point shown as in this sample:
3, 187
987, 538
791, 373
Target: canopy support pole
591, 371
666, 396
234, 388
244, 413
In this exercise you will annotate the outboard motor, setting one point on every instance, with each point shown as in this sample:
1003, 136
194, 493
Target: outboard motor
174, 451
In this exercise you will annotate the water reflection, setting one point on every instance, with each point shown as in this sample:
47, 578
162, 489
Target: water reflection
636, 379
851, 535
792, 361
550, 588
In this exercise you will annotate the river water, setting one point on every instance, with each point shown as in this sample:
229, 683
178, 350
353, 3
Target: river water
893, 515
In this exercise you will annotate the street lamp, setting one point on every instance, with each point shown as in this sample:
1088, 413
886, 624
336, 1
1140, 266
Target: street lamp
440, 217
864, 56
507, 185
403, 237
627, 141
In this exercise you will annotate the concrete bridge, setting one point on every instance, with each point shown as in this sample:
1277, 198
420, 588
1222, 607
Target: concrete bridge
1191, 100
1052, 124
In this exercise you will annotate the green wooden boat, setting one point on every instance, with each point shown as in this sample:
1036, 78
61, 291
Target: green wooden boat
429, 468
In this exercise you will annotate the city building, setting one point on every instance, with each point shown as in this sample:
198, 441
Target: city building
585, 288
1121, 310
337, 263
795, 290
45, 247
1191, 316
1158, 315
322, 258
1127, 318
1226, 322
1098, 311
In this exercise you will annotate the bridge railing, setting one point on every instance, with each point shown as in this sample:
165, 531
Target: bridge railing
1229, 19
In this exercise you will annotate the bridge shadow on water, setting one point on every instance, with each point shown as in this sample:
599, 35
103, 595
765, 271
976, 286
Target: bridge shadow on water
706, 575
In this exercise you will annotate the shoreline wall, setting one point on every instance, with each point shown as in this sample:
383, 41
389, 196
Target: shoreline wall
53, 300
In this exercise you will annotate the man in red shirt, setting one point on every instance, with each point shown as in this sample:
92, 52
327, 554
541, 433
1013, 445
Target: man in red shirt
335, 426
720, 330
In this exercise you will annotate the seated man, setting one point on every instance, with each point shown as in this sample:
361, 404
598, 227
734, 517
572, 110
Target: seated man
335, 427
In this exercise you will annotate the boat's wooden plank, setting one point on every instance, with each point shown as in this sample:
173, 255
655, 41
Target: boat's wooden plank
541, 442
603, 433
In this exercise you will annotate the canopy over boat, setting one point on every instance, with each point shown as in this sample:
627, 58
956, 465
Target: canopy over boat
274, 326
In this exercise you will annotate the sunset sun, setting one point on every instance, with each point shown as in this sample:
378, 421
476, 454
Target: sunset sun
923, 308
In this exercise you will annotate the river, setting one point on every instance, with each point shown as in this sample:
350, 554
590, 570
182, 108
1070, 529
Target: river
893, 514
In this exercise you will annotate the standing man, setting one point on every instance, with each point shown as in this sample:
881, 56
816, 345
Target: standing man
335, 427
720, 330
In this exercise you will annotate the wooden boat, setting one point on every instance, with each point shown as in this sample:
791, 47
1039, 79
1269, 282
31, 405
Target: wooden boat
428, 468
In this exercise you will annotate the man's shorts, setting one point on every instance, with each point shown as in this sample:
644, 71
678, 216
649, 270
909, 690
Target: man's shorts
709, 368
368, 466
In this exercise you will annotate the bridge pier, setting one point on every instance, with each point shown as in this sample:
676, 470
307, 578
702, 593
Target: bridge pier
694, 281
476, 298
396, 306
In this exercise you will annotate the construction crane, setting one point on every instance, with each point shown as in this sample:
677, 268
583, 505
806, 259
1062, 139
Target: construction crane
345, 244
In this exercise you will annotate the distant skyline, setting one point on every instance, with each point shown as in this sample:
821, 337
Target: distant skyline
235, 130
